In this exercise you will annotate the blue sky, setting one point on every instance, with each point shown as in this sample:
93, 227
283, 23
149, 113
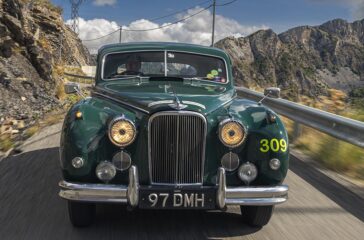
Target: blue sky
243, 17
277, 14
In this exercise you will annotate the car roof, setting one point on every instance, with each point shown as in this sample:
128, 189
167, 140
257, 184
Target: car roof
171, 46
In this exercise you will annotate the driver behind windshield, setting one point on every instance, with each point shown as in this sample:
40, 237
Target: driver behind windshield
133, 66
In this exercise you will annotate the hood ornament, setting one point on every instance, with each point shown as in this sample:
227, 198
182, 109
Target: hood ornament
178, 105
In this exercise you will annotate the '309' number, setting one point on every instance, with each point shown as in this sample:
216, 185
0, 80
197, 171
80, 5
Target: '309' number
274, 145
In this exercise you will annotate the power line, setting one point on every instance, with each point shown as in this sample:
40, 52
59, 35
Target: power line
180, 11
151, 29
94, 39
225, 4
169, 24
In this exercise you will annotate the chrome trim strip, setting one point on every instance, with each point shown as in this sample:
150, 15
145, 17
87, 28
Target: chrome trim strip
160, 102
121, 102
165, 52
194, 103
103, 192
133, 187
221, 188
256, 201
129, 194
149, 144
249, 196
93, 192
165, 63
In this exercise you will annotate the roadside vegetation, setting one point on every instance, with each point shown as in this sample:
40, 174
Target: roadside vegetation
329, 151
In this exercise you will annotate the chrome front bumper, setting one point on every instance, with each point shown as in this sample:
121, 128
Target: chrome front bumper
129, 194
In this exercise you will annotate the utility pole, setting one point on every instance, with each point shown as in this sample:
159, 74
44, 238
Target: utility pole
121, 31
213, 23
75, 5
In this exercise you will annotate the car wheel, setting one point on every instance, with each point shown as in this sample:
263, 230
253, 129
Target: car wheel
256, 216
81, 214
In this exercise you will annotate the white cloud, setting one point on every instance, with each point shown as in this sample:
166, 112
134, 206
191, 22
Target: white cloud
104, 2
194, 30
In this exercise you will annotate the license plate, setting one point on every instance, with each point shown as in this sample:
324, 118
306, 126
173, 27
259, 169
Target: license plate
203, 198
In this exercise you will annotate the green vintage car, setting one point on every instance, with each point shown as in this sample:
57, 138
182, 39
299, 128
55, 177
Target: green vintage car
165, 129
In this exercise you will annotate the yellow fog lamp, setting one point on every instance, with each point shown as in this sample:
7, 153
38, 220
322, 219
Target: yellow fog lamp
232, 133
122, 131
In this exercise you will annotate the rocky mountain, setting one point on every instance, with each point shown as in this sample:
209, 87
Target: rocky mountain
34, 41
303, 60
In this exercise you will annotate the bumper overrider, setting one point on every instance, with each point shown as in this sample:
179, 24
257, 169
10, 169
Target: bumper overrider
129, 194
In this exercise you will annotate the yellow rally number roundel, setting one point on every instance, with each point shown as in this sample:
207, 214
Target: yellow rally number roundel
273, 145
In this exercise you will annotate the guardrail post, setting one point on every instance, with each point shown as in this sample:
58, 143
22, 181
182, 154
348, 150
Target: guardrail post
297, 131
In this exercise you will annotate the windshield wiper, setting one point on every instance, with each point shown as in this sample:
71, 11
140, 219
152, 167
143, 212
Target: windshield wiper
166, 78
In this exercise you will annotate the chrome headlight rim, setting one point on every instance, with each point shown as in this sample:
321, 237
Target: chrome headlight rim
225, 121
118, 119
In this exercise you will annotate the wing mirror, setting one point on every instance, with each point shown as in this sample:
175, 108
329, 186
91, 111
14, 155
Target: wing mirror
272, 92
71, 87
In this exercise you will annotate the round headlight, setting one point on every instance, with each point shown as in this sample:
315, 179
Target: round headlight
122, 132
105, 171
232, 133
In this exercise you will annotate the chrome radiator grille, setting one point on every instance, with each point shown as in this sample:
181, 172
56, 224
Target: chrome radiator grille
176, 147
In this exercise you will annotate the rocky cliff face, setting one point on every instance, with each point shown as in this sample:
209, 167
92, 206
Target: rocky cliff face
304, 60
33, 40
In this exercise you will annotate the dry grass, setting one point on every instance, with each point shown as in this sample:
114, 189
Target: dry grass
48, 120
6, 142
329, 151
31, 131
60, 93
44, 43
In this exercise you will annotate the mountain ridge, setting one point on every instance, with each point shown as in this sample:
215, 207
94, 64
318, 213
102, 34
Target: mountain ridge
305, 60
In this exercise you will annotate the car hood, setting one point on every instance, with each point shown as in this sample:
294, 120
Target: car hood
162, 96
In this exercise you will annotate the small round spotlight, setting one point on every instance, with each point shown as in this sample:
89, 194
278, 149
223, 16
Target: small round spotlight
105, 171
230, 161
247, 172
77, 162
275, 164
121, 160
78, 114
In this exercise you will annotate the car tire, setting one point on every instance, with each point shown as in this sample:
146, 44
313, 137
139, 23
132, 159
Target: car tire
256, 216
81, 214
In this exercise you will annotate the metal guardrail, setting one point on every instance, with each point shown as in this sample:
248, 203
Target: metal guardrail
343, 128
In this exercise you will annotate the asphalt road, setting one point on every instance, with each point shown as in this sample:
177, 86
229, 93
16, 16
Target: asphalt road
318, 207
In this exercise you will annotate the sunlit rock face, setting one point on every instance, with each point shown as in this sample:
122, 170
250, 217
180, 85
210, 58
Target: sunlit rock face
304, 60
31, 36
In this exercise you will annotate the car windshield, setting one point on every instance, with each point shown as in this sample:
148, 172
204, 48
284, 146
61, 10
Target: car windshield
161, 64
